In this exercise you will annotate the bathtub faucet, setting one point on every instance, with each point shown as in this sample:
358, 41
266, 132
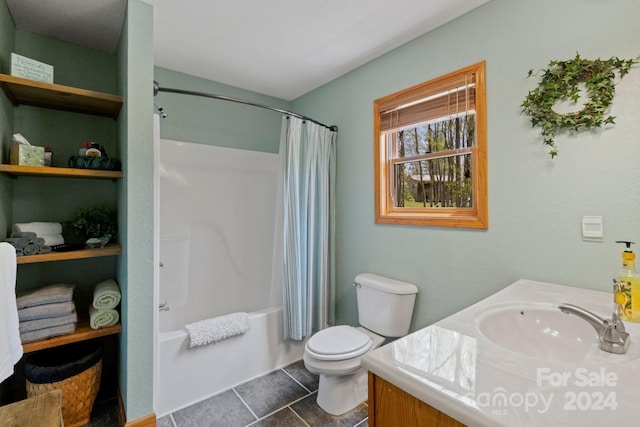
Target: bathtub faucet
164, 306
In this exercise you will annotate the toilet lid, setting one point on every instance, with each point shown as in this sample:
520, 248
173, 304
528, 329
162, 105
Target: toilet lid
339, 342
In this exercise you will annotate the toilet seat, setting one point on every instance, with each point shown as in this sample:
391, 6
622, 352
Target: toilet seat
339, 343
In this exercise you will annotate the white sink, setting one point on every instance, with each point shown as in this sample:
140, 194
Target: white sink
542, 332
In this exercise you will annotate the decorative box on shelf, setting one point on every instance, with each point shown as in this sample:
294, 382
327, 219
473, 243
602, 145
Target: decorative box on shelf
26, 155
28, 68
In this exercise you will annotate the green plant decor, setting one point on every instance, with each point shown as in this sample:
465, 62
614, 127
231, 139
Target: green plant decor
94, 222
560, 82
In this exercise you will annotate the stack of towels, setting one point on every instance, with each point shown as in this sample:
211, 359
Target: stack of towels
35, 237
46, 312
106, 297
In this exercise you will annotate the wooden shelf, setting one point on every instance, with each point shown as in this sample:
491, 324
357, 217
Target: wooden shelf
83, 332
17, 170
59, 97
109, 250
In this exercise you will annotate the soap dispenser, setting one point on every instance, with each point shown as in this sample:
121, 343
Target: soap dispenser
626, 286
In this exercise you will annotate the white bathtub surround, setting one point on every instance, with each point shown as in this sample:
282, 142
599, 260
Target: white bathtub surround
461, 371
216, 329
309, 158
219, 240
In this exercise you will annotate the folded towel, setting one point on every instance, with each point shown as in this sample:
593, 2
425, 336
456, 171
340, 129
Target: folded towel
103, 317
42, 334
19, 242
40, 228
24, 234
30, 250
46, 295
46, 310
44, 249
106, 295
216, 329
38, 241
52, 239
34, 325
10, 345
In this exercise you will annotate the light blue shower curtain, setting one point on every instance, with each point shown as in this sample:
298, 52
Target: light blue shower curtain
309, 163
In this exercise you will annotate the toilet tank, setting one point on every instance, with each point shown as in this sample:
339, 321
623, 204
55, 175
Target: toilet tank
385, 306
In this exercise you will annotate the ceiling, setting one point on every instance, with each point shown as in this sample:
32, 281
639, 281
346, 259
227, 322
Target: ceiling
282, 48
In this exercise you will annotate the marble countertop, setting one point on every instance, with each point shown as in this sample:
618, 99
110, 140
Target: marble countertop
453, 367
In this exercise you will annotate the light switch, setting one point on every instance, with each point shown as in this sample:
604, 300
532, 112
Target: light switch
592, 228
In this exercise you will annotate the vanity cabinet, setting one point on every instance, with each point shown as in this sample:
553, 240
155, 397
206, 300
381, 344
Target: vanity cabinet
392, 406
22, 91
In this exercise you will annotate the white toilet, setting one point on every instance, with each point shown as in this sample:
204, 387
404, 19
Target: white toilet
385, 308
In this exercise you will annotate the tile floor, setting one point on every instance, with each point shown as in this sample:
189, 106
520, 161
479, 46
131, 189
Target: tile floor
283, 398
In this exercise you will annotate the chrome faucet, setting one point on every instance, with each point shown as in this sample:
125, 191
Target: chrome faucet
611, 333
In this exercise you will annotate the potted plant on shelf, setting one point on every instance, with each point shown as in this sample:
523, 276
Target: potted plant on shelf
95, 225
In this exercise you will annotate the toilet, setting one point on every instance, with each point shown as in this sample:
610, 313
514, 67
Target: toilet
385, 308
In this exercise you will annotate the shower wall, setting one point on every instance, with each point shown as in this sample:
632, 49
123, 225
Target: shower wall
218, 230
220, 252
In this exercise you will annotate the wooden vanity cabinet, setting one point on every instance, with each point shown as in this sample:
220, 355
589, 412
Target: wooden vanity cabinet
390, 406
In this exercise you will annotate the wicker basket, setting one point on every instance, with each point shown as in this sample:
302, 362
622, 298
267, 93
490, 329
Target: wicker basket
79, 391
78, 394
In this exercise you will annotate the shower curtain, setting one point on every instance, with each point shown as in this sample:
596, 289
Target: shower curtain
308, 151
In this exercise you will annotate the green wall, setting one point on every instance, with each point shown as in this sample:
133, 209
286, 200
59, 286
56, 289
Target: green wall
135, 269
535, 204
7, 40
210, 121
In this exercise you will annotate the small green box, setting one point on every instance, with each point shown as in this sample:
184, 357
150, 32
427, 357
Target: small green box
26, 155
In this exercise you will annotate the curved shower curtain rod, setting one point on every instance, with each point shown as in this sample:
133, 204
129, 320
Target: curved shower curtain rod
157, 88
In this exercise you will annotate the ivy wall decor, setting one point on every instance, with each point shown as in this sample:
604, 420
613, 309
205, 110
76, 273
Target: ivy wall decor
562, 82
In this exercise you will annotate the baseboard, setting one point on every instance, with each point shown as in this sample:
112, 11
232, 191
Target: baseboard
146, 421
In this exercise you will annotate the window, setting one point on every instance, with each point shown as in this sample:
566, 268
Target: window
431, 153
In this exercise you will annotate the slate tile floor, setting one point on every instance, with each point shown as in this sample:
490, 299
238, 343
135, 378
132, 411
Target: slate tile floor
283, 398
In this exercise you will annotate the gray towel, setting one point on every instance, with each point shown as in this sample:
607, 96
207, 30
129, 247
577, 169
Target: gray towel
19, 242
42, 334
44, 249
30, 250
46, 310
34, 325
46, 295
24, 234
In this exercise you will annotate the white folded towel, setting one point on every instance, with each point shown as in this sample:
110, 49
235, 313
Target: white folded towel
52, 239
216, 329
106, 295
102, 318
10, 344
40, 228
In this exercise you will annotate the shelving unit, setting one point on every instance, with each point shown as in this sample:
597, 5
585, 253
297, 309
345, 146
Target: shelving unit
109, 250
59, 97
83, 332
17, 170
22, 91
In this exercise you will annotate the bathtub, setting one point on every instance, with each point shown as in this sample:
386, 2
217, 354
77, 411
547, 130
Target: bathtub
187, 376
219, 252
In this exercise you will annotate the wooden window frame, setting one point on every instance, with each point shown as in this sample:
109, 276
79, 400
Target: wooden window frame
385, 212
